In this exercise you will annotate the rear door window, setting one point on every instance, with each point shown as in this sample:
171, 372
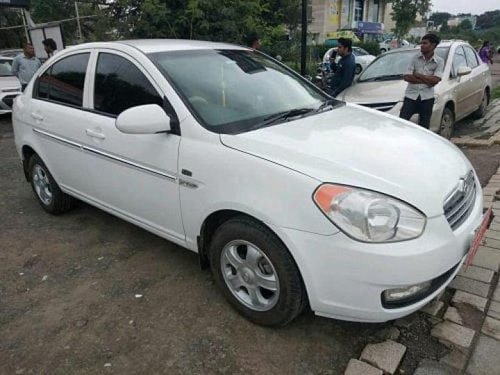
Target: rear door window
64, 82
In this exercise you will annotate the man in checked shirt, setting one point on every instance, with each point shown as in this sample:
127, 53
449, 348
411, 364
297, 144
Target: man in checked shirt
423, 73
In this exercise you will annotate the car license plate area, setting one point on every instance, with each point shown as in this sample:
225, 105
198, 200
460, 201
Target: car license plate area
478, 237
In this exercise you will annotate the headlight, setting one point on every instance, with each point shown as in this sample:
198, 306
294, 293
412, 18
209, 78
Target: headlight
368, 216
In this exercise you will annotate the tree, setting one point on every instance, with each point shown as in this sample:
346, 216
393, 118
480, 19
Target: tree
404, 13
465, 25
11, 38
440, 17
488, 19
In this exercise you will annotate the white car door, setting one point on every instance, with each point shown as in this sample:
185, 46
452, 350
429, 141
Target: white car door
58, 119
477, 77
133, 175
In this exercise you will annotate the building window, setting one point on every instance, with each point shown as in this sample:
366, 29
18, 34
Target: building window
376, 7
358, 10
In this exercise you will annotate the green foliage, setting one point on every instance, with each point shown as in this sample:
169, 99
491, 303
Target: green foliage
496, 93
11, 38
465, 25
405, 12
440, 17
371, 47
488, 19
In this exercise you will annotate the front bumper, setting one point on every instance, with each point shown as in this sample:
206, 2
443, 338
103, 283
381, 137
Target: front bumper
437, 112
345, 279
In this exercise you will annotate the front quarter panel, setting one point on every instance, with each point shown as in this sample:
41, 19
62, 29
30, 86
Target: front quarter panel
227, 179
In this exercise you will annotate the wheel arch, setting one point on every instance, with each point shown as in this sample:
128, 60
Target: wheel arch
27, 153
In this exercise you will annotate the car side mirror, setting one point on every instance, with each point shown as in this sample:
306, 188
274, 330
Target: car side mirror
463, 71
143, 119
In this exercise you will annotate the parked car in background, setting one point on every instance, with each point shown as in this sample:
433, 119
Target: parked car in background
10, 86
292, 198
465, 87
363, 58
10, 52
390, 44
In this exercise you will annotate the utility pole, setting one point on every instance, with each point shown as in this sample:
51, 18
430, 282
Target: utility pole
80, 38
25, 27
303, 50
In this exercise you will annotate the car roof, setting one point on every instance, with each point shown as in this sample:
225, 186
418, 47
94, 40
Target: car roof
6, 58
162, 45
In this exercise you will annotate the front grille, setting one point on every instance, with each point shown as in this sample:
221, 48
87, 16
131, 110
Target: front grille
460, 203
384, 107
11, 90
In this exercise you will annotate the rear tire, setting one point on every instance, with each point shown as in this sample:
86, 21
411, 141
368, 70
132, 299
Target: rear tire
383, 50
447, 122
46, 190
481, 111
256, 273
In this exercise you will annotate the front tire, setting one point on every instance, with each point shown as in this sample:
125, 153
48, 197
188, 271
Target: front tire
256, 273
358, 69
46, 190
447, 122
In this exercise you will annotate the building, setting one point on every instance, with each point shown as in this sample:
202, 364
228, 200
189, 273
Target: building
454, 22
329, 16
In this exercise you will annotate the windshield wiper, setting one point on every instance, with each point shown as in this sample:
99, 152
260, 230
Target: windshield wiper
328, 105
383, 78
282, 116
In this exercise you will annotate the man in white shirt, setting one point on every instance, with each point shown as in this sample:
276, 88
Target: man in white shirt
25, 65
423, 73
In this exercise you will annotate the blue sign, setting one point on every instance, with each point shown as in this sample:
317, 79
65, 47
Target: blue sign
370, 27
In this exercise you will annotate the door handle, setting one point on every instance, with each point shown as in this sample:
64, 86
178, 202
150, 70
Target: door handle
94, 134
36, 116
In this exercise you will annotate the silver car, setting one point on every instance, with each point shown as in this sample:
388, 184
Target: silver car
464, 89
10, 86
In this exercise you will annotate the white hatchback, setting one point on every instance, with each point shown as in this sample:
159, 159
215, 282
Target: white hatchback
292, 198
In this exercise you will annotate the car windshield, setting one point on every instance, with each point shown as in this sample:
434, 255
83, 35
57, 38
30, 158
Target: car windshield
393, 65
232, 91
5, 67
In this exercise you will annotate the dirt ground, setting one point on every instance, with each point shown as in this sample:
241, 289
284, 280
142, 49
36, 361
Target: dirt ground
87, 293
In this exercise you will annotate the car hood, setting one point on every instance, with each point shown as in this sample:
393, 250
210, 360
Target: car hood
9, 82
375, 92
361, 147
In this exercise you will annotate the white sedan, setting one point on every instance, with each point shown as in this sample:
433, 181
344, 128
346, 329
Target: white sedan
465, 87
362, 57
293, 199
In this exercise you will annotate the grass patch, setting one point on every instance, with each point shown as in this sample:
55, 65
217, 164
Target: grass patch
496, 93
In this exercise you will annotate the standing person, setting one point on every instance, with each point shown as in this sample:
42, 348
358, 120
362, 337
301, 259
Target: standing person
25, 65
423, 73
50, 47
485, 53
345, 68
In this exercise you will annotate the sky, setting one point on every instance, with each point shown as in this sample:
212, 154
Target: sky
465, 6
